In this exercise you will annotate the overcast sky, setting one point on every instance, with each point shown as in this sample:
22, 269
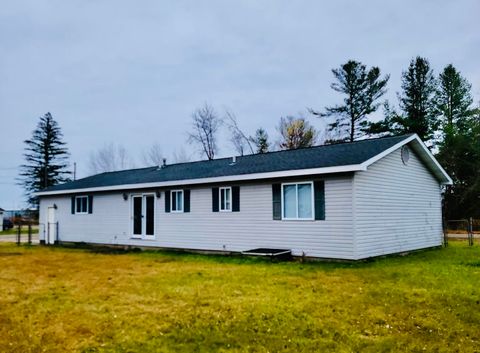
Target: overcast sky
132, 72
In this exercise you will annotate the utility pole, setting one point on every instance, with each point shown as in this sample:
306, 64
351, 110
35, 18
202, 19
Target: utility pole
74, 170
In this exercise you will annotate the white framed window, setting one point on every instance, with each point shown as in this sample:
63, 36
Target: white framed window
81, 204
298, 201
176, 201
225, 195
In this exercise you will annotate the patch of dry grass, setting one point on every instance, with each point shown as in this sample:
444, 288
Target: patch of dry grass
57, 300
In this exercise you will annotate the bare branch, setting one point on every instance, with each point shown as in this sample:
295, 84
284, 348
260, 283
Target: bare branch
206, 124
239, 139
153, 156
109, 158
181, 156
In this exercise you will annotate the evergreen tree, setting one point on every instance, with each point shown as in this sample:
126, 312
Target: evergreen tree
46, 159
460, 156
453, 100
296, 133
459, 147
261, 141
363, 88
417, 104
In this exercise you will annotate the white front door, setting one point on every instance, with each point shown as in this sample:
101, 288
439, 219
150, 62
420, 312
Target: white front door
51, 233
143, 216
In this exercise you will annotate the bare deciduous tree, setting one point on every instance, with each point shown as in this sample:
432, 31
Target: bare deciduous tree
296, 133
153, 156
240, 140
205, 128
181, 156
109, 158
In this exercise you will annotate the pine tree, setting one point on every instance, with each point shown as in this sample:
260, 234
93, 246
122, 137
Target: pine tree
453, 100
459, 147
363, 88
460, 156
417, 104
46, 159
261, 141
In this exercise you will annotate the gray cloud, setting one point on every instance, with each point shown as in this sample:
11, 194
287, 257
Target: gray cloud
132, 73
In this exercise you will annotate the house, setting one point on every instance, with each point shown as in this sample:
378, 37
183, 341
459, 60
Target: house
342, 201
1, 219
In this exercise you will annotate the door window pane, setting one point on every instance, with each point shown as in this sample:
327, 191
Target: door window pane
149, 214
289, 201
304, 200
137, 215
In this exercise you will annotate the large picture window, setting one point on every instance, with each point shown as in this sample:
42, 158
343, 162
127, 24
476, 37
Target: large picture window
226, 199
297, 201
81, 204
177, 201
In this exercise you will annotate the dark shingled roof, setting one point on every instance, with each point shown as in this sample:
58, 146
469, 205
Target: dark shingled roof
341, 154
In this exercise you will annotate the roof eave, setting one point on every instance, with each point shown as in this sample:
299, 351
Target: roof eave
229, 178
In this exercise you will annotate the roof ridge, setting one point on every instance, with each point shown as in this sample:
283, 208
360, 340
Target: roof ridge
122, 170
296, 149
326, 155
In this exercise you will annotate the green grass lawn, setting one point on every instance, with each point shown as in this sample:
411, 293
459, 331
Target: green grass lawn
59, 299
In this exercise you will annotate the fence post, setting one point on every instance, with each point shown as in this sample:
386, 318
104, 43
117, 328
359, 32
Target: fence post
29, 233
19, 231
470, 231
445, 233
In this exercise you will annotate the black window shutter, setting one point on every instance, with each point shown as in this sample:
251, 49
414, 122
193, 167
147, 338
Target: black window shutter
186, 200
73, 204
167, 201
319, 187
215, 199
235, 198
90, 203
277, 201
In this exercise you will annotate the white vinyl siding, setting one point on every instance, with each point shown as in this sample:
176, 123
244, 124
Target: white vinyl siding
203, 229
397, 207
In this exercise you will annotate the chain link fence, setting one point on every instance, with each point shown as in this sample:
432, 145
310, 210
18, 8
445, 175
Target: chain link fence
462, 229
